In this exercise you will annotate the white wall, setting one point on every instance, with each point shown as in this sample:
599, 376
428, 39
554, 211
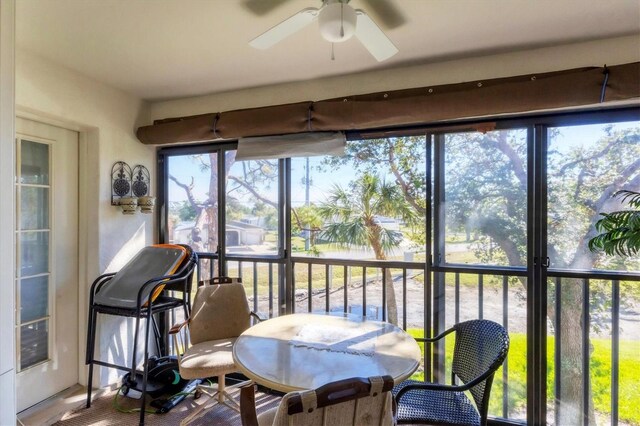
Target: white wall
107, 119
595, 53
7, 298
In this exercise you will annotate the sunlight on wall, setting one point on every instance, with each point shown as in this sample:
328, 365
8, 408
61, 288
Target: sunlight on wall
116, 333
129, 249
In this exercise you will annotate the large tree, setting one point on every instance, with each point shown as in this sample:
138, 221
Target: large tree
352, 218
486, 194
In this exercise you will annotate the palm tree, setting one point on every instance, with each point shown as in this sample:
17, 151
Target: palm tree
308, 220
620, 230
351, 216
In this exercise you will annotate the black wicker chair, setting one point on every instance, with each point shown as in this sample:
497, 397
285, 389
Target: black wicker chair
480, 349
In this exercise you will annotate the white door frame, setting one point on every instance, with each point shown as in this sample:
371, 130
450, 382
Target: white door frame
7, 214
88, 217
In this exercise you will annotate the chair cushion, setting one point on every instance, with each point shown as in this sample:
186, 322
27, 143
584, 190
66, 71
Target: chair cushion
435, 407
266, 418
208, 359
219, 312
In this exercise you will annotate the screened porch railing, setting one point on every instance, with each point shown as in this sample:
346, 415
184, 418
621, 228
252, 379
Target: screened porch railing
342, 285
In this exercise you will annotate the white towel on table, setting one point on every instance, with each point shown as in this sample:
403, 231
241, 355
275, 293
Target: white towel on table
335, 339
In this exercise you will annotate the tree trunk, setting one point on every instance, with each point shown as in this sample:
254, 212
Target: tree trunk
212, 205
392, 304
570, 369
572, 374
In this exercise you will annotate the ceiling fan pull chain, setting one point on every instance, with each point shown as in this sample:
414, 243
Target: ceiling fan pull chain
341, 20
333, 56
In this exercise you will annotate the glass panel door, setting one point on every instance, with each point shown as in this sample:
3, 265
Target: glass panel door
192, 203
253, 230
369, 204
33, 239
481, 205
594, 339
252, 220
485, 187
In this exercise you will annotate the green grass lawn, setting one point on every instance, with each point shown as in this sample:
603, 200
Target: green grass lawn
600, 375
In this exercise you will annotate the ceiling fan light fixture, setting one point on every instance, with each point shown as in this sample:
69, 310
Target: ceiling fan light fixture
337, 22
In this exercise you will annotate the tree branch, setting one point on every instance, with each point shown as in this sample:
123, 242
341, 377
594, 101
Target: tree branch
188, 189
296, 217
617, 185
508, 246
403, 184
255, 193
294, 211
518, 166
584, 257
602, 152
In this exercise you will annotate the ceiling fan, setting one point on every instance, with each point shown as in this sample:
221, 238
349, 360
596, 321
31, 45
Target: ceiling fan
338, 22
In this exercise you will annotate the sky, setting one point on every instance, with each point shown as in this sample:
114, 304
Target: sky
573, 136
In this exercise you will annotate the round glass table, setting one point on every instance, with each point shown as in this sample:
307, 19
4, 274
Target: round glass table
306, 351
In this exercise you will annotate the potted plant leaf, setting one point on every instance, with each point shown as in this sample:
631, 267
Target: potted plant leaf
619, 230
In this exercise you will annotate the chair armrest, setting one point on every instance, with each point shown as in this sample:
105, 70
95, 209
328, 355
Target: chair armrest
180, 340
248, 405
394, 410
429, 386
256, 317
439, 336
179, 326
99, 282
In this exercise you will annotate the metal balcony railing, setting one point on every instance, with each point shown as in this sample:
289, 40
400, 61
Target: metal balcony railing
450, 294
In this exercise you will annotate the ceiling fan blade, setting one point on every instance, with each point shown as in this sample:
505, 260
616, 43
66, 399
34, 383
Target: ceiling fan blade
262, 7
372, 37
285, 28
386, 12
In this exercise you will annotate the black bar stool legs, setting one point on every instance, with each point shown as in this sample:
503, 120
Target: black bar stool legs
146, 368
133, 377
91, 345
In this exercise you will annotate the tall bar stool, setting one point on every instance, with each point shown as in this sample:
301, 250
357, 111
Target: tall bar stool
140, 290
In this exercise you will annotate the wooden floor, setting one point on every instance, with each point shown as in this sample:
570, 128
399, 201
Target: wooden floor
68, 409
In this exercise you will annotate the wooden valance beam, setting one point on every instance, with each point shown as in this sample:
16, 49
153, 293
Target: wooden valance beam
559, 89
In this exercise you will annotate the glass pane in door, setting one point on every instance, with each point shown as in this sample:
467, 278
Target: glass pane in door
34, 298
484, 222
367, 204
34, 208
192, 203
486, 197
33, 235
34, 253
34, 343
252, 220
34, 163
593, 327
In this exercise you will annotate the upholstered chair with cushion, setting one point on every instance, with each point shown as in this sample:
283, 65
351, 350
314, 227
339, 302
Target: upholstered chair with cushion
356, 401
219, 315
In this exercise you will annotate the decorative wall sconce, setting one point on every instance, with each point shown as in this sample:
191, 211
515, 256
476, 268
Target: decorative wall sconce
120, 182
130, 188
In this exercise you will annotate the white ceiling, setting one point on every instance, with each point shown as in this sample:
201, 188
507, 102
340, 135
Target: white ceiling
161, 49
